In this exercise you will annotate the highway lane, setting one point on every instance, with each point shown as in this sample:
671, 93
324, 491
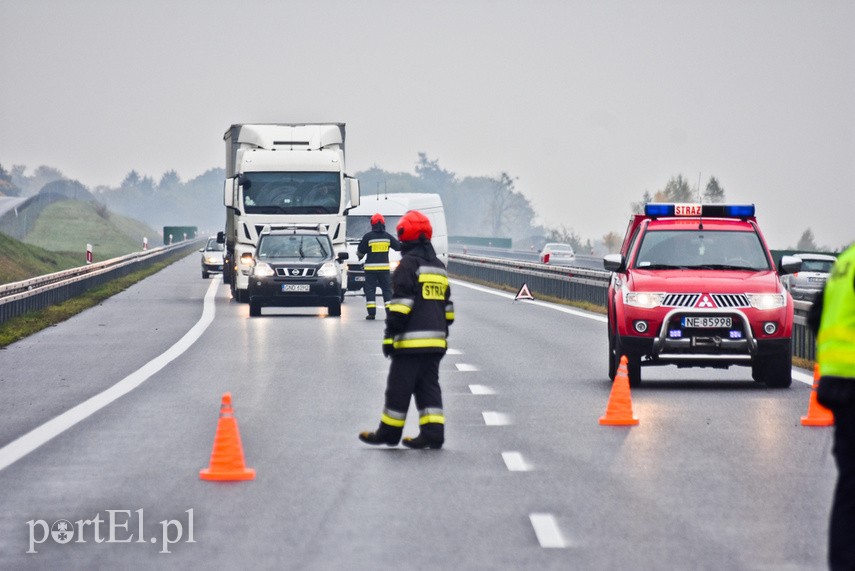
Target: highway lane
719, 473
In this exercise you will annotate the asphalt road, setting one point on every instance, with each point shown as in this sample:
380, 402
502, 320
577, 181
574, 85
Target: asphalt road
719, 474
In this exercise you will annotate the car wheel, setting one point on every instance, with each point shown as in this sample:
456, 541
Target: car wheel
774, 370
254, 310
334, 309
612, 367
204, 275
633, 364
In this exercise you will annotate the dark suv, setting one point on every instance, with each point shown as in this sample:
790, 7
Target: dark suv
295, 268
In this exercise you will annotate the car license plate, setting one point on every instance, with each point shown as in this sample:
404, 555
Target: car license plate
816, 280
295, 287
706, 322
359, 278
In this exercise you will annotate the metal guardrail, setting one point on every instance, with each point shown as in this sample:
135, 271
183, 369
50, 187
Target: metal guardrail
18, 298
583, 284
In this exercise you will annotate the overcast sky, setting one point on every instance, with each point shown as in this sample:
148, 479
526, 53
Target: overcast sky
586, 103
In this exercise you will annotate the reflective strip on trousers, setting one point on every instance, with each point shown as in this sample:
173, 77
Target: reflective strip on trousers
393, 418
420, 340
431, 416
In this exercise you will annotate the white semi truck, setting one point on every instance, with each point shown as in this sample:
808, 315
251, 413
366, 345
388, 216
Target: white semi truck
278, 175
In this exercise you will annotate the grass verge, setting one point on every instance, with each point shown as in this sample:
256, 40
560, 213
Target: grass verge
25, 325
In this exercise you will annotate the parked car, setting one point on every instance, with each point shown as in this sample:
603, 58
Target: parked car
809, 280
557, 254
295, 268
212, 258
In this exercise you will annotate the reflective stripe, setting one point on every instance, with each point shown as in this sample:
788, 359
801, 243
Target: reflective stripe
431, 270
387, 341
421, 343
370, 304
393, 418
399, 307
432, 419
402, 301
433, 278
449, 316
376, 267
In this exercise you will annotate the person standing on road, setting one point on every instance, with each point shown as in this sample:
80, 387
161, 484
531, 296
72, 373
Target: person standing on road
832, 319
375, 245
416, 335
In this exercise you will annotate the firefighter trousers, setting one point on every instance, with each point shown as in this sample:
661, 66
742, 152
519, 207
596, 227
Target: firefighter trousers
373, 280
414, 375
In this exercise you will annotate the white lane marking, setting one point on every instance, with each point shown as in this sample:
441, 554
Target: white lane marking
546, 529
515, 462
451, 351
556, 307
19, 448
465, 367
481, 390
797, 373
495, 418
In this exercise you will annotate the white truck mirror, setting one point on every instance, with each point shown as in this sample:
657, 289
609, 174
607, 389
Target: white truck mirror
354, 192
228, 193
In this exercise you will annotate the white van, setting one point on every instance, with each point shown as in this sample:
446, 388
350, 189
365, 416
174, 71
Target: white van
392, 207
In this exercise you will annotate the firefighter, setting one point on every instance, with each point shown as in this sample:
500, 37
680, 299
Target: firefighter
832, 319
416, 334
375, 245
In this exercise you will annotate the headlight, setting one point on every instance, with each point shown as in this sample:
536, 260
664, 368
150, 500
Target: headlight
767, 300
643, 299
246, 259
328, 270
393, 264
213, 260
262, 270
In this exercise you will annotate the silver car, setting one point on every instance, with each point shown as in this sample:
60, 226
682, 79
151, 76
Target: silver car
805, 283
558, 254
212, 258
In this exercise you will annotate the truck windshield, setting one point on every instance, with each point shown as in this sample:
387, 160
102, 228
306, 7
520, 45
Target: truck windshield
358, 226
292, 193
294, 246
700, 249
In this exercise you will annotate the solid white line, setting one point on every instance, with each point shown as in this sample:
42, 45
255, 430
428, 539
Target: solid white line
19, 448
464, 367
514, 461
797, 373
481, 390
495, 418
546, 529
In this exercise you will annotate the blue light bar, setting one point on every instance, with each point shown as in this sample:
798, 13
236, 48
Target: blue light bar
658, 210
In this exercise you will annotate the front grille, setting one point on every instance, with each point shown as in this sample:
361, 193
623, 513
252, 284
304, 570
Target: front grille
295, 272
724, 300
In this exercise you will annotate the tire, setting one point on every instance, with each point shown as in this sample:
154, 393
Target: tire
254, 310
204, 275
612, 365
241, 295
633, 364
334, 309
775, 370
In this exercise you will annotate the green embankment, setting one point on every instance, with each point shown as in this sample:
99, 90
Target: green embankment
20, 261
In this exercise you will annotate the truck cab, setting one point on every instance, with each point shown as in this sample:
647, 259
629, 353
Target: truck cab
696, 286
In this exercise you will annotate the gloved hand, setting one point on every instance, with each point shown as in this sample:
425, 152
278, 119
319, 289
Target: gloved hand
387, 347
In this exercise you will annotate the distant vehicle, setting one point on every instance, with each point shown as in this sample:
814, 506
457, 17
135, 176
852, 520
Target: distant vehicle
809, 280
392, 207
212, 258
557, 254
696, 286
295, 267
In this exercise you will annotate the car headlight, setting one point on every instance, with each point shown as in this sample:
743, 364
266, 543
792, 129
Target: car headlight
328, 270
643, 299
767, 300
262, 270
246, 259
212, 260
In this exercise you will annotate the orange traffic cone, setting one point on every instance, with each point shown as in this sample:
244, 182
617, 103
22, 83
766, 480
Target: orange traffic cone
227, 456
817, 415
619, 407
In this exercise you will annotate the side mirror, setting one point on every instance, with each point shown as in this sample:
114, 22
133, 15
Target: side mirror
221, 237
613, 262
342, 256
228, 193
201, 249
353, 192
789, 265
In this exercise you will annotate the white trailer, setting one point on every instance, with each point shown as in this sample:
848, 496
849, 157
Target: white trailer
279, 174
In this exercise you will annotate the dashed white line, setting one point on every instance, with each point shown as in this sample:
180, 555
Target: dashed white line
515, 462
465, 367
453, 352
546, 529
495, 418
481, 390
19, 448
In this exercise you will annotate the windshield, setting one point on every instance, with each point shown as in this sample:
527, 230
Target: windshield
212, 245
821, 266
294, 246
358, 226
560, 248
700, 249
292, 193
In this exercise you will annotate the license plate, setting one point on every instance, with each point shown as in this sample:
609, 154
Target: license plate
359, 278
295, 287
706, 322
816, 280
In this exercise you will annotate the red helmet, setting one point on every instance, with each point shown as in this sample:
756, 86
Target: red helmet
377, 219
413, 225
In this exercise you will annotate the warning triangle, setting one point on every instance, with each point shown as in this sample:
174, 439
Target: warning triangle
523, 293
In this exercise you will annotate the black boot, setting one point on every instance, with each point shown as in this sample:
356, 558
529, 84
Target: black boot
376, 438
422, 443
